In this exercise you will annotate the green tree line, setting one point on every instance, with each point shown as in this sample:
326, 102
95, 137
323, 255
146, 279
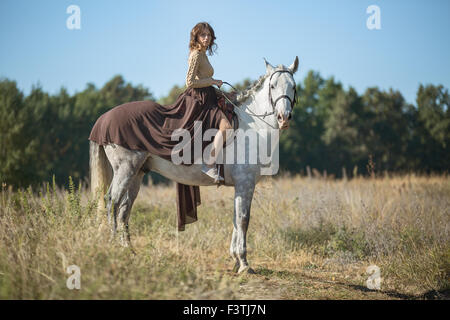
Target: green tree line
332, 128
42, 135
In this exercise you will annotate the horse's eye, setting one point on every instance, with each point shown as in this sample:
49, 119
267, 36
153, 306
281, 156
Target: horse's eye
272, 86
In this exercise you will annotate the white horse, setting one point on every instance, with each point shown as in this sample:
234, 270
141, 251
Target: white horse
267, 105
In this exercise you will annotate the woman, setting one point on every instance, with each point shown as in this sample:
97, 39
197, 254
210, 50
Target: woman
199, 80
149, 126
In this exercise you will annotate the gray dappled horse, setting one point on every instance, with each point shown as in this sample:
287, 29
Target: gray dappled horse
266, 105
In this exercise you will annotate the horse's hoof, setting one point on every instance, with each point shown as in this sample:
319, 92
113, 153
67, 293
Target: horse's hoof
246, 269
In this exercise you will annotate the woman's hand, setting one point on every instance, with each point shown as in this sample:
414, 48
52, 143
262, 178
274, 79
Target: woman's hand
218, 83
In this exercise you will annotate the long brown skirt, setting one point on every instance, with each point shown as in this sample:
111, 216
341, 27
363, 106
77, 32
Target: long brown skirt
148, 126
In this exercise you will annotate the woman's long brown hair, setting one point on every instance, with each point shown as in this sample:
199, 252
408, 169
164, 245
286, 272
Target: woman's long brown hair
194, 44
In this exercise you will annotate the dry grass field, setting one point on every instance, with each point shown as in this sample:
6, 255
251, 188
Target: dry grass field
308, 239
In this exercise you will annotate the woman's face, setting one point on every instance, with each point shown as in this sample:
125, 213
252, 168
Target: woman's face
204, 38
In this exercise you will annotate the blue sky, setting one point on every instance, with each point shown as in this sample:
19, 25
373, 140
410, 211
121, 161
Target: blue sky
146, 42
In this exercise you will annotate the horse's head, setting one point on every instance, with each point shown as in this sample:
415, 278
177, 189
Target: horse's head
282, 91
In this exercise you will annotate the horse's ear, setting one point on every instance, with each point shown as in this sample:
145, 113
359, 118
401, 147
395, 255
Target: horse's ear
269, 67
294, 67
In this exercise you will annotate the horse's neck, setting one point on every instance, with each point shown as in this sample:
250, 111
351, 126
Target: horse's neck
256, 104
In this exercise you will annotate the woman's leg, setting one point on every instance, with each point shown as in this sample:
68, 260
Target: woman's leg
219, 139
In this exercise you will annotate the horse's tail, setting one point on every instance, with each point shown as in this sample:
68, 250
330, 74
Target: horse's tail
100, 172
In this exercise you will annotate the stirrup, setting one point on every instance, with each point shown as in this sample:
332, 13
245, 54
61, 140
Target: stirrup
218, 179
212, 172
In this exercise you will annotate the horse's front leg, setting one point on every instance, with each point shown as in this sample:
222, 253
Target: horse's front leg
242, 204
233, 247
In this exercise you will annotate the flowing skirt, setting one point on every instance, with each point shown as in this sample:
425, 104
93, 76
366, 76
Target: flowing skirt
148, 126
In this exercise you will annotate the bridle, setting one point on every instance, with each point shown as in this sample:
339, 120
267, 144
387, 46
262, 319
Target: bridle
272, 103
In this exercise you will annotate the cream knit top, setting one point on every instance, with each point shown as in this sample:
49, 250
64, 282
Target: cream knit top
200, 71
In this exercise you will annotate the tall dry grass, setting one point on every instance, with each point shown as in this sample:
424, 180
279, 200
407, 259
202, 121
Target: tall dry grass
308, 238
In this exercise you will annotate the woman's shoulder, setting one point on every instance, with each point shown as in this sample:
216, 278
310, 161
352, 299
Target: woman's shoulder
193, 55
196, 53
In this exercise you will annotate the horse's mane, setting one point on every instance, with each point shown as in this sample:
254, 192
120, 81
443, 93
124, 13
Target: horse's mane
253, 88
243, 95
